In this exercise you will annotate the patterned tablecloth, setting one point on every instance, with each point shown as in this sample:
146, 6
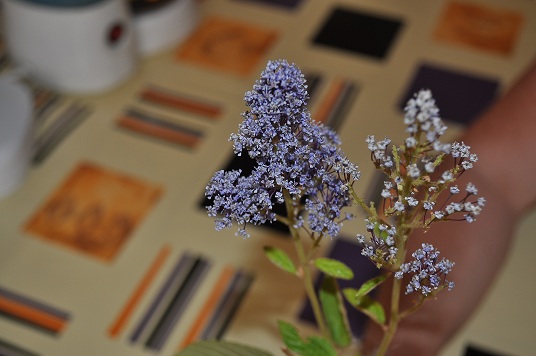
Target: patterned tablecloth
106, 249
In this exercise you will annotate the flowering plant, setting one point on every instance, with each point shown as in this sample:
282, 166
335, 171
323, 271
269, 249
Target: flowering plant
299, 163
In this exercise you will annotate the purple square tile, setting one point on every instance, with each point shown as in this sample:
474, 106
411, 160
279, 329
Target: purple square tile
460, 96
357, 31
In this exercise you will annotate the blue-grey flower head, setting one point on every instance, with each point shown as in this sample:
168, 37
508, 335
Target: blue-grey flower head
427, 272
292, 154
422, 116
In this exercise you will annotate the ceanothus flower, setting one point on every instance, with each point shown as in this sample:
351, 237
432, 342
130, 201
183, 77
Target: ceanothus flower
412, 201
428, 205
292, 153
379, 154
240, 199
414, 171
420, 176
422, 116
399, 206
427, 272
381, 247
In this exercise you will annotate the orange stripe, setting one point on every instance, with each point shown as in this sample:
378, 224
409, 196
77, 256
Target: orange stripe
163, 133
209, 306
322, 113
134, 299
32, 315
177, 102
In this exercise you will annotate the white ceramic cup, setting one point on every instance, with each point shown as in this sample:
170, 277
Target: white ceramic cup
16, 116
78, 49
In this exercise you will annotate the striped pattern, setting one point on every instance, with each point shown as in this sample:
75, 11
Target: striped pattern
170, 302
160, 128
174, 100
220, 306
9, 349
55, 133
45, 101
336, 102
117, 327
31, 312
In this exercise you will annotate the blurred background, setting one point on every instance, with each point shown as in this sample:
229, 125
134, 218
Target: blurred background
115, 114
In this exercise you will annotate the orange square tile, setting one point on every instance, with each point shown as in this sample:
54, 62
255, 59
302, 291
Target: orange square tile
480, 27
227, 45
94, 211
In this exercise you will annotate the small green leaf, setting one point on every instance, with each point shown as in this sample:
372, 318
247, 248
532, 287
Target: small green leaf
334, 312
369, 285
280, 259
351, 295
221, 348
334, 268
312, 346
376, 231
366, 305
291, 337
383, 234
318, 346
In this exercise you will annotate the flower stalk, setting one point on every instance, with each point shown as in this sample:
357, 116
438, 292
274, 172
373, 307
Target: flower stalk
298, 162
394, 318
305, 265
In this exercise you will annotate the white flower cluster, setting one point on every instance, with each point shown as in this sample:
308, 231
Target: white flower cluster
419, 190
469, 209
422, 116
378, 150
381, 246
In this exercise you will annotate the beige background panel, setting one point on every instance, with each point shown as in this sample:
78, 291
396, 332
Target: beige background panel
94, 291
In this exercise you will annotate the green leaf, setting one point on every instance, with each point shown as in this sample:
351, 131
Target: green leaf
334, 268
383, 234
366, 305
291, 337
312, 346
369, 285
221, 348
351, 295
318, 346
334, 312
280, 259
376, 230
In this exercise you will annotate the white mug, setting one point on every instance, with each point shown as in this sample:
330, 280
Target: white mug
80, 48
16, 135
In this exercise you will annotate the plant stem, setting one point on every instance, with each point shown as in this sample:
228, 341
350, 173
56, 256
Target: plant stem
309, 287
304, 263
393, 319
395, 315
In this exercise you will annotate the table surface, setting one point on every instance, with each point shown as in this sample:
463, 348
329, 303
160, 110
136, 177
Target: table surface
93, 288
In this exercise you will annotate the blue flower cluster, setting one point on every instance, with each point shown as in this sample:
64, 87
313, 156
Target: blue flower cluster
293, 155
427, 272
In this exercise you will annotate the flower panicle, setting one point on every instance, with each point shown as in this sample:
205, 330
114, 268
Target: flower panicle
291, 153
427, 273
414, 181
420, 188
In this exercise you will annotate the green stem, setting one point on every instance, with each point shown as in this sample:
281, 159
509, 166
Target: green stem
309, 287
305, 265
393, 319
361, 202
394, 314
413, 309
